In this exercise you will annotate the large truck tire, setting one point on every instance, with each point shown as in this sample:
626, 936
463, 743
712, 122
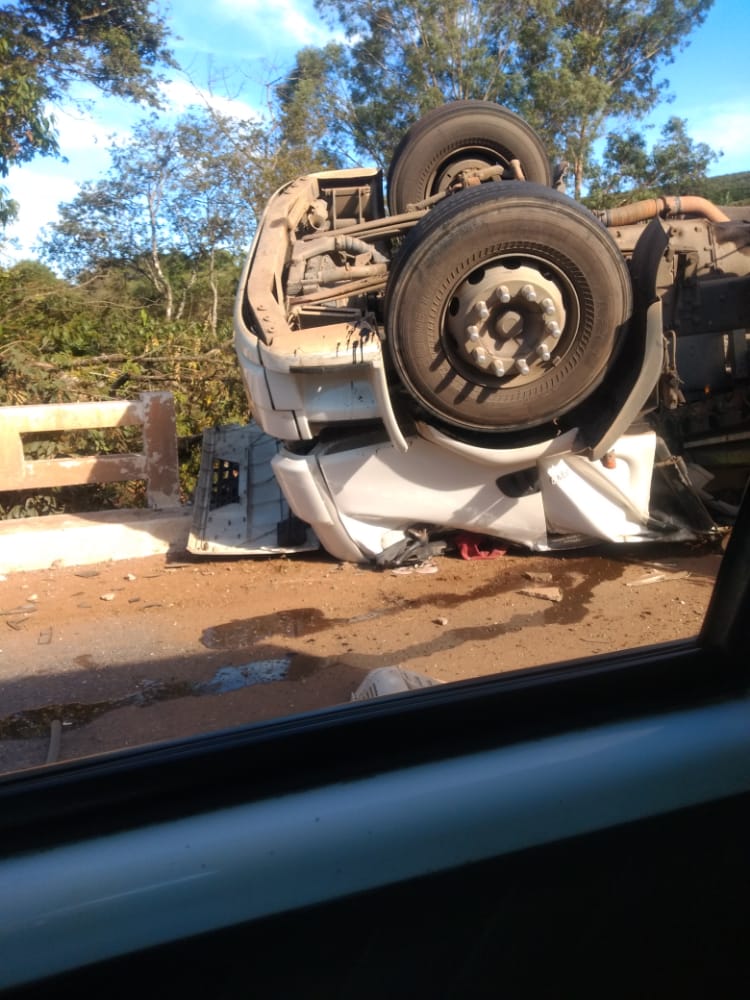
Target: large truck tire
505, 307
462, 135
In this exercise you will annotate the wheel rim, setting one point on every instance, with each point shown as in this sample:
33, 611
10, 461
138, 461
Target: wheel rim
510, 321
467, 160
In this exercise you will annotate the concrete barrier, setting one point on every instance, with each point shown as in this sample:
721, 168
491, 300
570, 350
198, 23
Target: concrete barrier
73, 540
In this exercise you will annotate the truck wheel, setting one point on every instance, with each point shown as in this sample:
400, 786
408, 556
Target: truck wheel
462, 135
505, 307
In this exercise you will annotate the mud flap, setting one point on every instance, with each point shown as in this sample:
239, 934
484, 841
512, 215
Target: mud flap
239, 508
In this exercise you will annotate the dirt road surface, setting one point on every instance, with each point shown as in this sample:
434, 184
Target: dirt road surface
132, 652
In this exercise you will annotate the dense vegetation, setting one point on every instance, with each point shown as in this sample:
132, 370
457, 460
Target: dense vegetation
728, 189
134, 285
106, 338
48, 46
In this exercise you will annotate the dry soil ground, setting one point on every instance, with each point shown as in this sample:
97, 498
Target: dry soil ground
131, 652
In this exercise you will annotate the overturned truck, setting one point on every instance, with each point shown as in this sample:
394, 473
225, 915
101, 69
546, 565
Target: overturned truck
482, 354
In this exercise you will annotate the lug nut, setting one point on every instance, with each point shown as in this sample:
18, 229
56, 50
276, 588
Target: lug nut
548, 306
522, 366
553, 329
543, 352
482, 310
503, 294
480, 356
498, 368
528, 293
473, 332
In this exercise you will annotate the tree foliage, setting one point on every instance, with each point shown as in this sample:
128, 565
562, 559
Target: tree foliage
728, 189
70, 342
570, 67
47, 46
178, 202
314, 124
401, 59
629, 170
590, 62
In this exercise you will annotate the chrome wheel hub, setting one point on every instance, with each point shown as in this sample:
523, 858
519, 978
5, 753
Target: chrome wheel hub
507, 321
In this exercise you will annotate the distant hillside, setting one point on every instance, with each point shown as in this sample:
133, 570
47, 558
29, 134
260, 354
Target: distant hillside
729, 189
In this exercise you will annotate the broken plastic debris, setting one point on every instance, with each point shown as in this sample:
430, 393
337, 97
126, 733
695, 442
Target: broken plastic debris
543, 593
424, 569
23, 609
391, 680
657, 578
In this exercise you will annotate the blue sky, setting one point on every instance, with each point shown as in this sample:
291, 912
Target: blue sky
235, 48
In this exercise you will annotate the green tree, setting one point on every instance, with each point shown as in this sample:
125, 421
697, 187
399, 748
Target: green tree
175, 202
63, 341
679, 163
589, 62
570, 67
675, 165
314, 118
728, 189
214, 196
47, 46
401, 59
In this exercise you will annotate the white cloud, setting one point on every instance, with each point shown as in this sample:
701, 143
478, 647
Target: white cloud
296, 22
38, 192
79, 131
181, 95
726, 129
